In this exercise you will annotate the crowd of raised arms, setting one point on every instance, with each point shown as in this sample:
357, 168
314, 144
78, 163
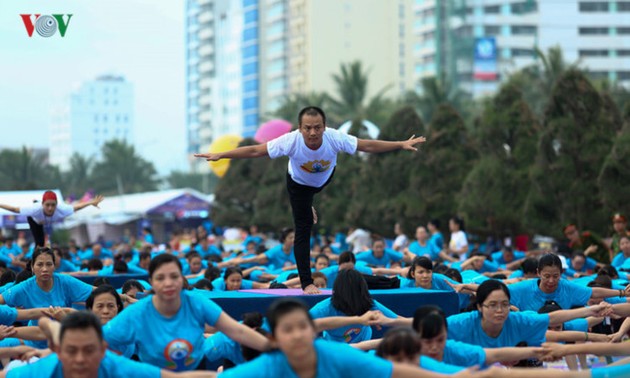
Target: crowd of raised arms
517, 308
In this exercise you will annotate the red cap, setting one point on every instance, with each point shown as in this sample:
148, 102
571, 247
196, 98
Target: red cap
49, 195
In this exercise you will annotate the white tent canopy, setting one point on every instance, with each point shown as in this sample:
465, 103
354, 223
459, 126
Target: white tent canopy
126, 208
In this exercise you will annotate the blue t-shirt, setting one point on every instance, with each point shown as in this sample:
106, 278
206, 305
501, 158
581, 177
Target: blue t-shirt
621, 371
438, 282
430, 364
420, 250
437, 241
619, 260
212, 250
66, 266
348, 334
174, 343
497, 257
580, 325
526, 295
218, 347
334, 360
65, 291
389, 255
277, 259
112, 366
462, 354
332, 272
589, 264
218, 284
8, 315
525, 326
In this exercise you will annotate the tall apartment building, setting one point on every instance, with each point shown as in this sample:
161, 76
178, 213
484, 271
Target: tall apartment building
596, 32
263, 50
96, 112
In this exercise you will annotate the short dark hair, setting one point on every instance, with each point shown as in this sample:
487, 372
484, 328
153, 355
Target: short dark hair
429, 321
162, 259
347, 256
421, 261
42, 251
550, 260
7, 276
104, 289
529, 265
81, 320
100, 281
284, 233
203, 284
231, 270
283, 306
95, 264
311, 111
130, 284
212, 273
487, 287
399, 340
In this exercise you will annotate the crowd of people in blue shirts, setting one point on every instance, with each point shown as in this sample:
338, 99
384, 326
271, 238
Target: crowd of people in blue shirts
519, 310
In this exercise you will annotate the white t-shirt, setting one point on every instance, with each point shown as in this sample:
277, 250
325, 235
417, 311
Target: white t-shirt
312, 167
458, 241
37, 213
401, 242
360, 240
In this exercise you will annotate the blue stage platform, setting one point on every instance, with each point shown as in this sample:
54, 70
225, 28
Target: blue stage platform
404, 302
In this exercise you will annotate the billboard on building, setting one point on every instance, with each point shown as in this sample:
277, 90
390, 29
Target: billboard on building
485, 63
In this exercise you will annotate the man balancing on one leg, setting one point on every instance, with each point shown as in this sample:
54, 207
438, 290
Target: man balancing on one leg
312, 150
42, 216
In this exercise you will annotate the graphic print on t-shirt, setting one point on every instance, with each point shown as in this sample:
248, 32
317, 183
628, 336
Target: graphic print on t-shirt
178, 353
316, 166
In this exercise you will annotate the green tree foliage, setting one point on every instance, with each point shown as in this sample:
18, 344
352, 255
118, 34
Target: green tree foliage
253, 191
121, 169
385, 191
292, 104
351, 101
448, 159
78, 179
494, 192
614, 178
576, 138
24, 169
203, 182
434, 92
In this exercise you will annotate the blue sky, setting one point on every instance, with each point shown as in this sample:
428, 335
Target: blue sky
142, 40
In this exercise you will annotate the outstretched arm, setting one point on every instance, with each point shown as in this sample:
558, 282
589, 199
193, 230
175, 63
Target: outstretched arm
94, 202
13, 209
245, 152
378, 146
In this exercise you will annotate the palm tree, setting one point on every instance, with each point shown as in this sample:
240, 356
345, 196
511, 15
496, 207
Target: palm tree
352, 102
293, 103
24, 169
78, 178
436, 92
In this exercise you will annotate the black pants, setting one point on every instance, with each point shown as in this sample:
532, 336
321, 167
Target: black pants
38, 232
301, 198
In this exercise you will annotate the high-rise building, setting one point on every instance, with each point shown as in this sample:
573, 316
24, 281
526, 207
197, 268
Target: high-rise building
447, 32
96, 112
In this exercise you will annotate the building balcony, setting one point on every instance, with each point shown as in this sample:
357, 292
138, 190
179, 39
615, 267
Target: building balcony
206, 67
206, 33
206, 50
205, 17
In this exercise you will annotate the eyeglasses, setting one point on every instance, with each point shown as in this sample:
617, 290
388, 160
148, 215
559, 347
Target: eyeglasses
496, 306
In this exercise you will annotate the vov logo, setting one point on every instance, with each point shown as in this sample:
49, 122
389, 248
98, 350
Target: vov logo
46, 25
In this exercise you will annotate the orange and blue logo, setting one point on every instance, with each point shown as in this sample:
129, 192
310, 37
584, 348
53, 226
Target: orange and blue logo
178, 354
316, 166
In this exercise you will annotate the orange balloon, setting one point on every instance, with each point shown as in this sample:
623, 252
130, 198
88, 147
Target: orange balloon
222, 144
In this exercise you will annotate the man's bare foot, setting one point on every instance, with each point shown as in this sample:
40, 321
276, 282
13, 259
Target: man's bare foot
311, 289
314, 215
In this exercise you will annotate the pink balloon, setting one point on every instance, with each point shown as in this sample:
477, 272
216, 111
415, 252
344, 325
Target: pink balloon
271, 130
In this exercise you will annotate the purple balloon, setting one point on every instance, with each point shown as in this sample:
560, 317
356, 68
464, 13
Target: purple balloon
271, 130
